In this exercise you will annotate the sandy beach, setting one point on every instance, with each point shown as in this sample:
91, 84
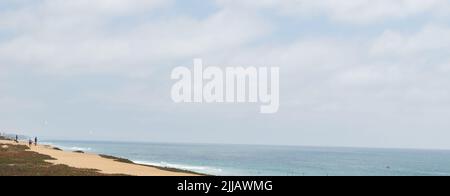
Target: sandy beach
97, 162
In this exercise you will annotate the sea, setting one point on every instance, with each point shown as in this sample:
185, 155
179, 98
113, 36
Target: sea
260, 160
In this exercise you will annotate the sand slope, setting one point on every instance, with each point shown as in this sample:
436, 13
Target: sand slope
104, 165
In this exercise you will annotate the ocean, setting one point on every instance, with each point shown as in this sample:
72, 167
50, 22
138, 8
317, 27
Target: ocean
250, 160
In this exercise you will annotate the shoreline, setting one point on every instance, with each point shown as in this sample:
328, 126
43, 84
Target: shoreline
105, 164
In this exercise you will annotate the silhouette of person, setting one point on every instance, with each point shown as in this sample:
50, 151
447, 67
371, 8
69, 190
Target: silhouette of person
35, 141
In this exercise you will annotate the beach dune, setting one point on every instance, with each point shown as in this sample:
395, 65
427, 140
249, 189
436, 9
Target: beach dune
97, 162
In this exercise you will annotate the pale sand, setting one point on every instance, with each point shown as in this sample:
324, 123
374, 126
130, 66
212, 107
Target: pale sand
93, 161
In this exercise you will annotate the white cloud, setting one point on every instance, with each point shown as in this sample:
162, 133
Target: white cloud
367, 76
29, 14
80, 36
431, 40
350, 11
102, 6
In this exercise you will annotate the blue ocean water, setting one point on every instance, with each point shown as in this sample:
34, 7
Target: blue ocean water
274, 160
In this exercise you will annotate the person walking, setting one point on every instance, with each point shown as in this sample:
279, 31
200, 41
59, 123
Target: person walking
17, 139
30, 142
35, 141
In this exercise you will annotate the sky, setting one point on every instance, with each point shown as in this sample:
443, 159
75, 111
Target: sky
352, 73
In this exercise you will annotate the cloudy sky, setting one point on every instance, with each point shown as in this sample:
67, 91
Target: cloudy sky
353, 73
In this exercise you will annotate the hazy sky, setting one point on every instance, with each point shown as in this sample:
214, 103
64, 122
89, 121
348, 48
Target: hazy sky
353, 73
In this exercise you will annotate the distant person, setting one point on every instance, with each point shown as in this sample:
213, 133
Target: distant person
30, 142
35, 141
17, 139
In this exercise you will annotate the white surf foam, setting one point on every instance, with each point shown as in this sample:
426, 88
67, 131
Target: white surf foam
68, 148
200, 169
